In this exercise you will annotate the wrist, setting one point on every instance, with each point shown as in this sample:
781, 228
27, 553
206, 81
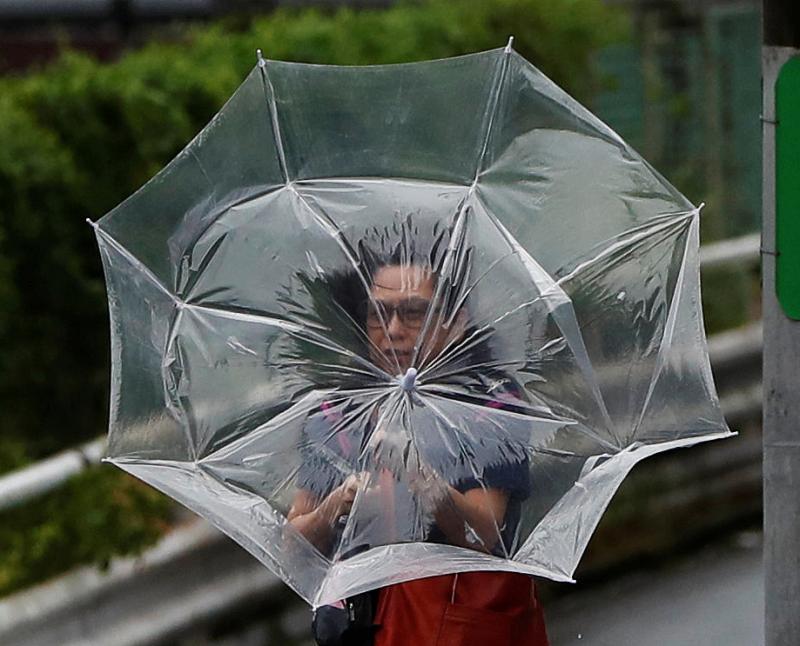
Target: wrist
430, 489
329, 510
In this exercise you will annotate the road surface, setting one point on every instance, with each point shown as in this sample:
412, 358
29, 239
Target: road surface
714, 597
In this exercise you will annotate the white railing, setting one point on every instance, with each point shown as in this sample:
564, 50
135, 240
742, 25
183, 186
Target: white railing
39, 478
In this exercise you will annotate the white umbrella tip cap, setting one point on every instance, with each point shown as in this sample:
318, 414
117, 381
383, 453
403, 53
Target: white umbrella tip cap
409, 380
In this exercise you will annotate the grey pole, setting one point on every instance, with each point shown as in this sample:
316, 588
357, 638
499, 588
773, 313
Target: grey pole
781, 366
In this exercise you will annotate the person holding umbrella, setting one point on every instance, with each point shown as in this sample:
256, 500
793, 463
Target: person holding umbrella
345, 439
477, 511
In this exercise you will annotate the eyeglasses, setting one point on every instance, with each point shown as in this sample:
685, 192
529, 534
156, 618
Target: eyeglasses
410, 313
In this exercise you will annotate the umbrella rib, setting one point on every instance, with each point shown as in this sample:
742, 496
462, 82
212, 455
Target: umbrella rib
491, 111
299, 409
460, 370
329, 226
664, 223
444, 357
276, 133
547, 89
172, 406
292, 328
202, 168
192, 280
475, 338
501, 413
133, 260
117, 246
577, 345
458, 232
583, 429
464, 452
454, 349
342, 425
367, 410
272, 108
634, 235
334, 367
524, 409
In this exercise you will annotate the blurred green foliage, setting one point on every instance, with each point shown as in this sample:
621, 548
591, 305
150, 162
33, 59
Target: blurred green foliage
728, 294
79, 136
94, 517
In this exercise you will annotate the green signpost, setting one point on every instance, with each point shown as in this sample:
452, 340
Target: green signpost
780, 264
787, 187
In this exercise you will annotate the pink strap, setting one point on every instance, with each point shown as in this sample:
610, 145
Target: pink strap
387, 494
334, 416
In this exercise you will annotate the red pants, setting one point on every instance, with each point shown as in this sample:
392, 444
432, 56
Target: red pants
467, 609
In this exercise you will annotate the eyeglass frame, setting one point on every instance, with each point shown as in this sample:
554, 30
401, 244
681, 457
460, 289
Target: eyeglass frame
389, 309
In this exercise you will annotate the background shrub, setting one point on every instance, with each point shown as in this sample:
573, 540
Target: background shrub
80, 136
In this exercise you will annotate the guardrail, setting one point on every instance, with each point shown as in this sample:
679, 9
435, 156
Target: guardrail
197, 587
745, 250
39, 478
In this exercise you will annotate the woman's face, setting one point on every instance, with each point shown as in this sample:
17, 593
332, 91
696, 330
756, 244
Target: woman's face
404, 294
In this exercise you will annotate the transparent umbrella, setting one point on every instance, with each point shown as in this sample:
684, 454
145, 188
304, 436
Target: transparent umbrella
381, 323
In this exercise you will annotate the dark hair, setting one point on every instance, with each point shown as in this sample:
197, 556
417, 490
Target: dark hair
339, 296
335, 301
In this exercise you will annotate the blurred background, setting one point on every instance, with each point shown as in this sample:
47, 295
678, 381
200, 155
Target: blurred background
97, 95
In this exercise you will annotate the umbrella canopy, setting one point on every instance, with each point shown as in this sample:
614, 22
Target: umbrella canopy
379, 323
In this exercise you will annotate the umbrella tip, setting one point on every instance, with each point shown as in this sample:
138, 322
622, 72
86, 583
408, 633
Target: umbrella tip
510, 44
91, 224
260, 58
409, 380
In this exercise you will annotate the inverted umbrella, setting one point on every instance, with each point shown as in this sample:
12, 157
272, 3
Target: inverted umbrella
365, 302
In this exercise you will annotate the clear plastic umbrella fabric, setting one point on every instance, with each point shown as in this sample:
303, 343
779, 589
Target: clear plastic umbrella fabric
381, 323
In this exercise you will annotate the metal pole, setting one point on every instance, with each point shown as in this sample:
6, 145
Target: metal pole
781, 361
